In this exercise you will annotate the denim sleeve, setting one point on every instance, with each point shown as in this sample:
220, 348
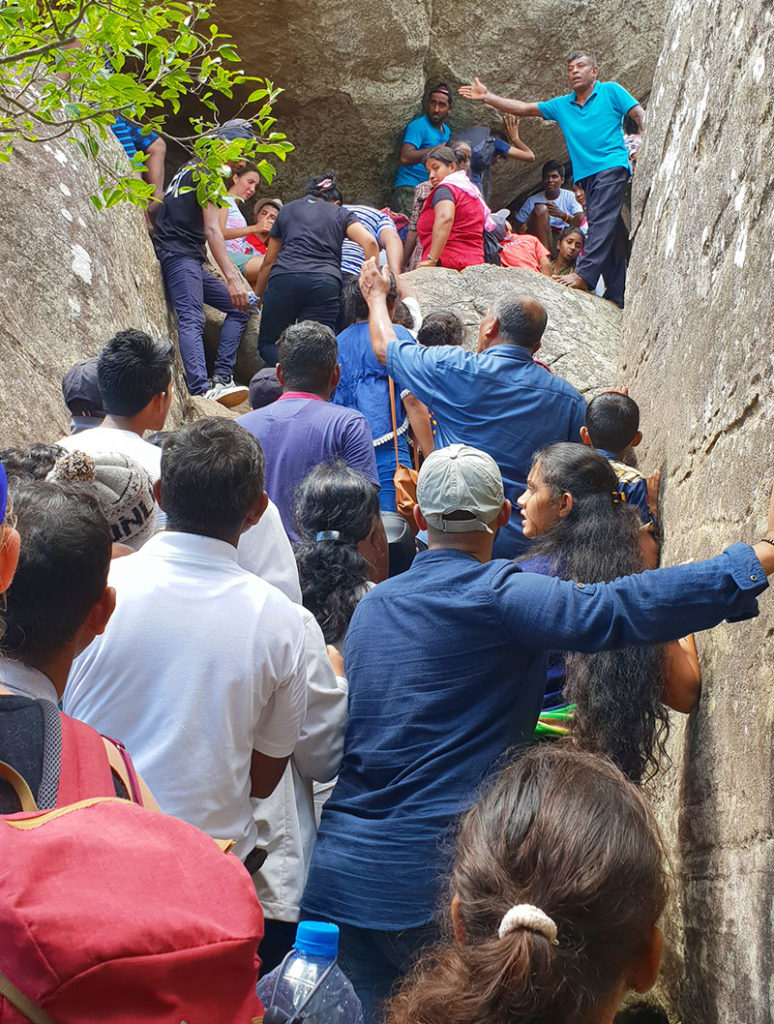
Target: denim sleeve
647, 608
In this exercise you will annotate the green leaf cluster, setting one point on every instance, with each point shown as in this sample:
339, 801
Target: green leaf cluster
69, 67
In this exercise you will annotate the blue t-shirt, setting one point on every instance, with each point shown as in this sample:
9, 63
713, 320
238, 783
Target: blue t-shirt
364, 383
593, 132
422, 135
297, 434
498, 400
446, 670
352, 254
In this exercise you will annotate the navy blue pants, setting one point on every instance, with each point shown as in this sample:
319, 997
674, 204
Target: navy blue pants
374, 961
189, 285
604, 254
292, 297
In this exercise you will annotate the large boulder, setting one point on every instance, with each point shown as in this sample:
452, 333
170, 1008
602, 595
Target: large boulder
582, 342
354, 73
73, 277
698, 359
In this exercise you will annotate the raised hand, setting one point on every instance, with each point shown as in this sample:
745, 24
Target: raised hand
476, 91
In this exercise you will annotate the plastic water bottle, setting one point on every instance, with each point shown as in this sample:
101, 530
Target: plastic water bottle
309, 981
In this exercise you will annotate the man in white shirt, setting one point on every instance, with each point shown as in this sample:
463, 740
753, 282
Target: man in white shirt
548, 213
135, 378
201, 670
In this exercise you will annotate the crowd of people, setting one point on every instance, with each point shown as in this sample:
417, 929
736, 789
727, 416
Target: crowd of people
417, 703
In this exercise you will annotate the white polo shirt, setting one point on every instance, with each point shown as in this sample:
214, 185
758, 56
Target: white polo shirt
201, 663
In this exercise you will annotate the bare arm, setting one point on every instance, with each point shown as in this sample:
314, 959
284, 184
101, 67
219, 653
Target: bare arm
409, 244
519, 150
682, 675
419, 420
360, 234
236, 284
389, 239
442, 225
478, 91
272, 252
637, 114
374, 286
545, 266
233, 232
265, 773
409, 154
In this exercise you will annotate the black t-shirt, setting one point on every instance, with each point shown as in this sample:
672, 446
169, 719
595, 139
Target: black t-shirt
442, 192
312, 232
180, 221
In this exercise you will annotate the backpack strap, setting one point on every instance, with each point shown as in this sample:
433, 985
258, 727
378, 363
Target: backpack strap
84, 768
19, 785
119, 758
22, 1003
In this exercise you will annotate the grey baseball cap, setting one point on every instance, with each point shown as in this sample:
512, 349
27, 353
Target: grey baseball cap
459, 478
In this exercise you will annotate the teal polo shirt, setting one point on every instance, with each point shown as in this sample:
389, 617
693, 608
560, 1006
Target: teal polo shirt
422, 135
593, 132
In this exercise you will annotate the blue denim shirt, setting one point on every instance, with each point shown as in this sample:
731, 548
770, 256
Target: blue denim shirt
498, 400
446, 671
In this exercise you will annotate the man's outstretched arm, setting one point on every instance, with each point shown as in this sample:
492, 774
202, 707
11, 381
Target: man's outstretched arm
478, 91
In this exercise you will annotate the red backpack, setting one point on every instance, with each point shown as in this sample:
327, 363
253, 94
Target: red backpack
114, 914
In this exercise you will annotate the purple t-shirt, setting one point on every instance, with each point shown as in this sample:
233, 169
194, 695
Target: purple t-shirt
297, 434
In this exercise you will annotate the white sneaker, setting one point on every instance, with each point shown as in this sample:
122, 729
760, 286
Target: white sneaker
225, 391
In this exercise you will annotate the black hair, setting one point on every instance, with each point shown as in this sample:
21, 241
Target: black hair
630, 126
563, 831
617, 693
552, 165
132, 369
402, 315
612, 420
34, 462
212, 473
308, 353
444, 154
441, 87
63, 566
442, 328
577, 54
522, 320
571, 230
333, 575
355, 306
324, 187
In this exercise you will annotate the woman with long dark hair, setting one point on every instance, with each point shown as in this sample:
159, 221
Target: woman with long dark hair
300, 278
556, 892
343, 547
584, 532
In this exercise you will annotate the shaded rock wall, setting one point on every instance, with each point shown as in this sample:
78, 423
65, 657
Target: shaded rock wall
698, 359
582, 341
354, 73
72, 277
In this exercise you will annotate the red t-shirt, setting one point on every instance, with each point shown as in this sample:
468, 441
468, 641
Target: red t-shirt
523, 251
465, 245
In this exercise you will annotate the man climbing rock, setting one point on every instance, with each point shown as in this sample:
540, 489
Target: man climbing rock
591, 118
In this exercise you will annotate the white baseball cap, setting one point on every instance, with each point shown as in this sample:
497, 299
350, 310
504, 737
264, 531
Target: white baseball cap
459, 478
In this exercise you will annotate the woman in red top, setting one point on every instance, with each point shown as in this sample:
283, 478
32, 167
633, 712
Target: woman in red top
451, 225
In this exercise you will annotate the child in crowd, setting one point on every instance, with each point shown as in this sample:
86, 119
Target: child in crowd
569, 249
612, 426
556, 892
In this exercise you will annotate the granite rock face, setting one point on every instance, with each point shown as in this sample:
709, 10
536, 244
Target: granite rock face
582, 341
72, 277
698, 360
354, 73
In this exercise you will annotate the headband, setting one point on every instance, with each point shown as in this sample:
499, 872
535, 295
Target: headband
530, 918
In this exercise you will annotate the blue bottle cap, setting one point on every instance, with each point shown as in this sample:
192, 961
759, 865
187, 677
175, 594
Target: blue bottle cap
317, 938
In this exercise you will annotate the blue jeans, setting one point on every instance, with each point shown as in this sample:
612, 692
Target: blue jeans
189, 285
374, 961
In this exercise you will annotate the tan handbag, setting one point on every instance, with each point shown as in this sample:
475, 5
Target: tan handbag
405, 478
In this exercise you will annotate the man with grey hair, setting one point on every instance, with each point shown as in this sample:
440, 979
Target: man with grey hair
591, 118
497, 398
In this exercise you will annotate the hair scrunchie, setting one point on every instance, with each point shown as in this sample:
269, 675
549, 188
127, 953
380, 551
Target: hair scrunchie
531, 918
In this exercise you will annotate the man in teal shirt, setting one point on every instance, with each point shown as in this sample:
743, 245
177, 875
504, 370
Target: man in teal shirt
422, 134
591, 118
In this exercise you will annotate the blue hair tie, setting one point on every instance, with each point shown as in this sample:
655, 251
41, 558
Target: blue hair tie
327, 535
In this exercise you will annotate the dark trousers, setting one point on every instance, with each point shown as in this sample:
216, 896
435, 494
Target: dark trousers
277, 941
604, 254
292, 297
374, 961
189, 285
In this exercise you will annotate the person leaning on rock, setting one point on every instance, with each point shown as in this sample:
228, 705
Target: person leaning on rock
422, 134
591, 118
